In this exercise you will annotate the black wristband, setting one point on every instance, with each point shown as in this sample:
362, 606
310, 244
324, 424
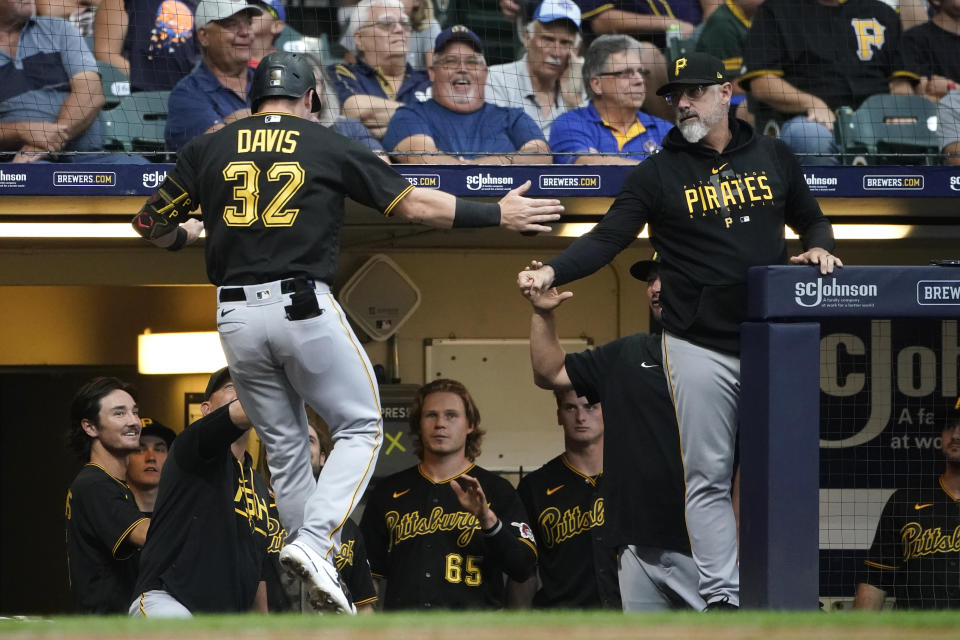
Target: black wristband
476, 214
181, 240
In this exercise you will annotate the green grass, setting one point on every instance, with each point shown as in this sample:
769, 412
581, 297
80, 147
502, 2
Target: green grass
557, 625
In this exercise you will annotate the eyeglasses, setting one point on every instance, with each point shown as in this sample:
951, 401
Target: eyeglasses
452, 63
693, 92
389, 24
627, 73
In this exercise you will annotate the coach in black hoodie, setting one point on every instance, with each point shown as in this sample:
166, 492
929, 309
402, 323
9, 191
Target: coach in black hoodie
716, 198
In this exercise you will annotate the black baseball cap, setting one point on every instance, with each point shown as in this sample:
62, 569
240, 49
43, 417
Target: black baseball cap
457, 33
151, 427
643, 269
951, 412
217, 380
693, 68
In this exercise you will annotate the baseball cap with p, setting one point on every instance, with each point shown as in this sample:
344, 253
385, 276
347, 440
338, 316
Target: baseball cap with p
456, 33
692, 69
211, 10
553, 10
153, 428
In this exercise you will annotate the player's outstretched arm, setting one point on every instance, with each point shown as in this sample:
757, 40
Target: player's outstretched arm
514, 211
546, 353
826, 260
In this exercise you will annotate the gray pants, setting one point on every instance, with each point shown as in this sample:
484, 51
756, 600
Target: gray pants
653, 579
158, 604
706, 388
276, 365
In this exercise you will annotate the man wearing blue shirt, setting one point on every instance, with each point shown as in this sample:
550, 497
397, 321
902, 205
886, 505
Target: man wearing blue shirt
611, 129
382, 80
215, 93
457, 125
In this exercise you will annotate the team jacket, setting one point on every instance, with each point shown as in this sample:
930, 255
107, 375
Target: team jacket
102, 564
915, 555
213, 525
577, 567
433, 554
712, 216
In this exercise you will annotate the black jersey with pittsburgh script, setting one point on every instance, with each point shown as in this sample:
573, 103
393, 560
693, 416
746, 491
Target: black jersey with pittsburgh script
100, 513
212, 527
712, 216
842, 54
915, 555
641, 441
433, 554
354, 567
271, 189
577, 567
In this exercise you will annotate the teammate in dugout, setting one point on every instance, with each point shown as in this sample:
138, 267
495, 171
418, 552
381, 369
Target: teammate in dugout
641, 448
271, 188
105, 528
443, 534
214, 525
915, 555
716, 198
576, 568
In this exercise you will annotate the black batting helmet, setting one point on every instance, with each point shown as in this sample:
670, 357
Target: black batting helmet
283, 74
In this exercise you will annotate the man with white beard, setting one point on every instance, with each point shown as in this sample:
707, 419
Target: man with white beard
716, 198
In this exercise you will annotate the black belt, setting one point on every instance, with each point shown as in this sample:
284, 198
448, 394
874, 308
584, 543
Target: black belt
290, 285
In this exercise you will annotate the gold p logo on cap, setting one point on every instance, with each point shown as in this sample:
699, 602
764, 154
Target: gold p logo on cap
681, 63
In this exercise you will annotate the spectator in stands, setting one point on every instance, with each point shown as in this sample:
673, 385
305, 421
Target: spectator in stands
457, 125
330, 116
641, 447
424, 30
576, 567
351, 557
79, 13
805, 59
381, 80
483, 533
932, 51
145, 464
914, 551
948, 113
611, 129
216, 92
152, 41
104, 526
267, 27
52, 92
535, 81
724, 35
648, 20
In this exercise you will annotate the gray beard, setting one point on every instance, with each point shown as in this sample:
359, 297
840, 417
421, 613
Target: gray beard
693, 131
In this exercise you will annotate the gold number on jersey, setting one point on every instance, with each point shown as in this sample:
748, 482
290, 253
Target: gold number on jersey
463, 569
870, 37
247, 193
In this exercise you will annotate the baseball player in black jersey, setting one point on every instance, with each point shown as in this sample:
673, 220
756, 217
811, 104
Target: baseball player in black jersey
105, 528
641, 449
213, 526
443, 534
915, 555
716, 199
575, 566
271, 188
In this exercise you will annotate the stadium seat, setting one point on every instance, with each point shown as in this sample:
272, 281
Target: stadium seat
137, 123
889, 130
116, 84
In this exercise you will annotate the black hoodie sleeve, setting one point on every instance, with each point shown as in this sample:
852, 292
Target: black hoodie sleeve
803, 213
615, 231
